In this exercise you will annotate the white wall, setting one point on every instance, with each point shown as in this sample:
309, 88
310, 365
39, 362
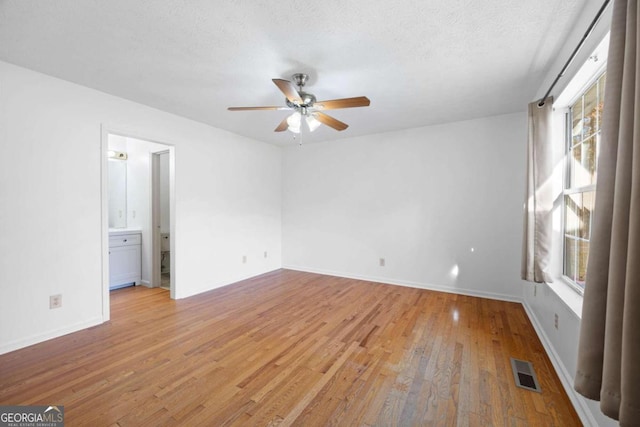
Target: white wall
542, 303
228, 202
423, 199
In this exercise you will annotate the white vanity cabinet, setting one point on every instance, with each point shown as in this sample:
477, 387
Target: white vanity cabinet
125, 257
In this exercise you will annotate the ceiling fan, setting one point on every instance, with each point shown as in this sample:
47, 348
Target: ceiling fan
305, 105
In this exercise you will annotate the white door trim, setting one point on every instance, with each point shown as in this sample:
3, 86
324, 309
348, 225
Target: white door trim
105, 131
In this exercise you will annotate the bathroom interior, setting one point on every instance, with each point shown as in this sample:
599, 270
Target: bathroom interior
139, 188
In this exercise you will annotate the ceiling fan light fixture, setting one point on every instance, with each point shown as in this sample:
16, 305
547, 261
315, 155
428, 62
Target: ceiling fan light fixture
294, 122
305, 104
312, 122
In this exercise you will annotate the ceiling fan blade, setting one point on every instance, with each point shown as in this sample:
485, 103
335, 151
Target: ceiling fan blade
284, 125
288, 89
256, 108
334, 104
330, 121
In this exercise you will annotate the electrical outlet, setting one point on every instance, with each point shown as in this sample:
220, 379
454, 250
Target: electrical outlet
265, 254
555, 320
382, 262
244, 259
55, 301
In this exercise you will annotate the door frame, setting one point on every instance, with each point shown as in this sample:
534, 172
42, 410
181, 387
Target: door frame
105, 131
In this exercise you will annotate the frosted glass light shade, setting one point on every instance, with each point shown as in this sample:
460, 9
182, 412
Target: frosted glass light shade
294, 122
312, 122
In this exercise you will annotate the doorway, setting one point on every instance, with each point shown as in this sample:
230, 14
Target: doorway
142, 214
161, 217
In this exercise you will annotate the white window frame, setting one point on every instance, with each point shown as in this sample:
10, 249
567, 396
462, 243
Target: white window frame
566, 190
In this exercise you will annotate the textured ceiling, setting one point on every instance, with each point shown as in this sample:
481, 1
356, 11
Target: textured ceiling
421, 62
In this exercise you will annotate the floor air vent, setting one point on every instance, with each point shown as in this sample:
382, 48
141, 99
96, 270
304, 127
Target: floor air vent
524, 375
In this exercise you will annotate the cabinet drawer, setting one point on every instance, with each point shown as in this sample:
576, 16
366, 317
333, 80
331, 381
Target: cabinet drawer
124, 240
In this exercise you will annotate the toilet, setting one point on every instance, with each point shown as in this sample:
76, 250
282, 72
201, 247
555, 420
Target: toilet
165, 248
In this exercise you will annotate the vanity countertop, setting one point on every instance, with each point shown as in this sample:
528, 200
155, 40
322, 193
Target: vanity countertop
121, 231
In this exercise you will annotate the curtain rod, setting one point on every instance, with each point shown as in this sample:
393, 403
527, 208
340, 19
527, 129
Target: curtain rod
575, 51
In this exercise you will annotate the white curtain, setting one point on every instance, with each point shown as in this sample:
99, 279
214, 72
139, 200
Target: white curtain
536, 242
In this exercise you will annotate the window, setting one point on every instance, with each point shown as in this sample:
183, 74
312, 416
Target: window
583, 140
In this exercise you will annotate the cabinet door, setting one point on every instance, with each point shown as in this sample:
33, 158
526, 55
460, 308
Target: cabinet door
124, 265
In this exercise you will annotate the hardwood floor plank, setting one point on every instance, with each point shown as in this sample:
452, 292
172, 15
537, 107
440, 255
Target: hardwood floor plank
293, 348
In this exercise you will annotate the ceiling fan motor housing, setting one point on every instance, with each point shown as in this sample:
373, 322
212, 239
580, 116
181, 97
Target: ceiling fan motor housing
308, 99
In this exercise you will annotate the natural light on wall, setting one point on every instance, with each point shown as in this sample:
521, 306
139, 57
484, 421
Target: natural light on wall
455, 271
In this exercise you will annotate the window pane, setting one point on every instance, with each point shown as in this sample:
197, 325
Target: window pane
578, 212
583, 255
596, 150
577, 174
601, 83
590, 121
576, 122
572, 213
570, 258
588, 202
588, 166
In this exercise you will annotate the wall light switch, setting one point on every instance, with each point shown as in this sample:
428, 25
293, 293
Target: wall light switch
382, 262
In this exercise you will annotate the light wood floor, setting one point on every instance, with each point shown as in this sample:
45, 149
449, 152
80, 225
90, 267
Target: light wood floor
292, 348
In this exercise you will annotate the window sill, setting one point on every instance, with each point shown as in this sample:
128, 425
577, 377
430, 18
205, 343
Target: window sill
567, 293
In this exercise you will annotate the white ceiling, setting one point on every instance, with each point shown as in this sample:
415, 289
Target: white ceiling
421, 62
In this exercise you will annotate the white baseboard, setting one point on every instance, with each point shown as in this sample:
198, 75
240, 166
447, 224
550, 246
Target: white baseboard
228, 282
567, 380
565, 377
427, 286
38, 338
145, 283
